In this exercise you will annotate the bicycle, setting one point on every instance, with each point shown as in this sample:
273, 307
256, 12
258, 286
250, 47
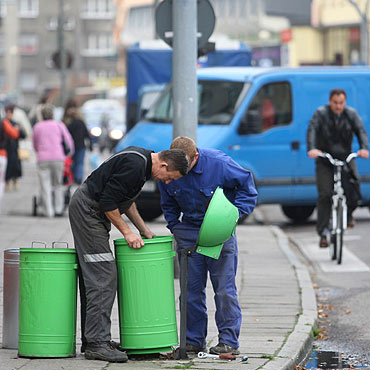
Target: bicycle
338, 222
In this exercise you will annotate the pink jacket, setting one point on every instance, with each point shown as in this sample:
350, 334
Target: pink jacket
47, 140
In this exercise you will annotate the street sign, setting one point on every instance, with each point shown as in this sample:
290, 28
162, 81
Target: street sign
206, 21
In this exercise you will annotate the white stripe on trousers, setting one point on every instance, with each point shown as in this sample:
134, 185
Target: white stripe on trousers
99, 257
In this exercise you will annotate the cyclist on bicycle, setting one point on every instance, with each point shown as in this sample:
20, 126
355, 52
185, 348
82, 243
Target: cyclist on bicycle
331, 130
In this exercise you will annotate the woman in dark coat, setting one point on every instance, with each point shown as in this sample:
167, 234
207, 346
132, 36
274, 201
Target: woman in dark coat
14, 166
81, 136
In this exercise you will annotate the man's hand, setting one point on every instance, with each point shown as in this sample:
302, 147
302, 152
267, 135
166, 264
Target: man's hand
148, 234
363, 153
314, 153
134, 240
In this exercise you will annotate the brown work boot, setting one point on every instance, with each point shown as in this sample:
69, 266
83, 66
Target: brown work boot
223, 348
194, 349
104, 351
323, 242
350, 222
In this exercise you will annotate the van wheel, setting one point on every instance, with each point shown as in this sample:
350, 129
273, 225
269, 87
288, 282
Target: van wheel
298, 213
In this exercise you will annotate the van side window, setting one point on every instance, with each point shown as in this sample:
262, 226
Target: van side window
271, 107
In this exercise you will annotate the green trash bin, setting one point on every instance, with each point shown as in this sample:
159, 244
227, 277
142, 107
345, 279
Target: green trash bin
47, 302
146, 296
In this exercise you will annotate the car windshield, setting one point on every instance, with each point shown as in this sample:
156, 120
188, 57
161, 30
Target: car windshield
217, 102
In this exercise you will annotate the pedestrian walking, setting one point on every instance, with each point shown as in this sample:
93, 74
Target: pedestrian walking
108, 192
48, 136
35, 114
81, 138
331, 130
14, 165
7, 130
184, 203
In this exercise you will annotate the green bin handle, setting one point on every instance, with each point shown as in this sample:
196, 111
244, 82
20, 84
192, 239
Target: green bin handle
53, 244
38, 243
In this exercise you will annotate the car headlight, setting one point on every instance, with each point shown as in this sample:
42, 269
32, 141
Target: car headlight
116, 134
95, 131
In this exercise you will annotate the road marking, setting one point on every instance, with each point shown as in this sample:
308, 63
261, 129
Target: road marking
321, 256
315, 239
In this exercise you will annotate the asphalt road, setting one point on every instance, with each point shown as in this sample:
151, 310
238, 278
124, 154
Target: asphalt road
343, 291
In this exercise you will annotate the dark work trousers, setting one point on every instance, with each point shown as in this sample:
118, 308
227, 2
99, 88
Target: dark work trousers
325, 184
98, 285
222, 274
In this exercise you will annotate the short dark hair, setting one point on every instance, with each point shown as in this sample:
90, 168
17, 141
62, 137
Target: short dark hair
337, 92
9, 108
176, 159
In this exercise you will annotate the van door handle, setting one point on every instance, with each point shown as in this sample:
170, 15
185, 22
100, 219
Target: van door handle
295, 145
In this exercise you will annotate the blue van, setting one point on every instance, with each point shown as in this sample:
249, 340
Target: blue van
259, 117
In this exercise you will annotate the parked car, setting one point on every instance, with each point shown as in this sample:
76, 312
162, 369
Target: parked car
105, 120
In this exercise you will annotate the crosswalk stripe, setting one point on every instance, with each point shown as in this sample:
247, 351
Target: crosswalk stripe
321, 256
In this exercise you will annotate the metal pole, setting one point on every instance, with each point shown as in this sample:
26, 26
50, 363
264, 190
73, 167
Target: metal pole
62, 53
11, 61
183, 302
363, 29
156, 2
364, 41
185, 100
366, 25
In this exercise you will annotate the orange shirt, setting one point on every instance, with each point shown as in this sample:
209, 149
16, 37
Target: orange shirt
10, 131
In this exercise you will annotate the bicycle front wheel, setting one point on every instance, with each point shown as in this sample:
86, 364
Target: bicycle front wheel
340, 231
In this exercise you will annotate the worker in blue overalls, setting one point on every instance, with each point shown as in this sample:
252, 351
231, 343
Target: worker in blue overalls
190, 196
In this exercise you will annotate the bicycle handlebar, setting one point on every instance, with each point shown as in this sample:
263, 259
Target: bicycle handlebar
338, 162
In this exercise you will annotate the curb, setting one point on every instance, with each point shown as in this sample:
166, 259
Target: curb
299, 342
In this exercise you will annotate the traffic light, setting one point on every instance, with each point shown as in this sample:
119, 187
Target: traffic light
57, 62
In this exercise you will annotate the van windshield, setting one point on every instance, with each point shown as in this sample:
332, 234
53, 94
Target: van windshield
217, 102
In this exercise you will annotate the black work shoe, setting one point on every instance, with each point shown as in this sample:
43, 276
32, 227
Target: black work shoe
104, 351
114, 344
195, 349
323, 242
223, 348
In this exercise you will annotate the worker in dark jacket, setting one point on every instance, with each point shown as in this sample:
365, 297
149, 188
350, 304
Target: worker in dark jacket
108, 192
331, 130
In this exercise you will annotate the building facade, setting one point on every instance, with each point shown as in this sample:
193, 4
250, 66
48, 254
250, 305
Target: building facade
29, 38
339, 22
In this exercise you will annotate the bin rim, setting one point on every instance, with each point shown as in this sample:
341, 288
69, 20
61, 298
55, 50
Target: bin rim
48, 250
12, 250
156, 239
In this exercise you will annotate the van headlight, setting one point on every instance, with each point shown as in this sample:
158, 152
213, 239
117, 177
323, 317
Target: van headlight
116, 134
95, 131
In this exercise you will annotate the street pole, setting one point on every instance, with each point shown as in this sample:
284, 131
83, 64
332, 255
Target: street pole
62, 53
185, 100
155, 36
363, 29
10, 31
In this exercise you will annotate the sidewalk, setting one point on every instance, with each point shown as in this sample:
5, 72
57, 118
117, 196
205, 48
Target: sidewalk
275, 292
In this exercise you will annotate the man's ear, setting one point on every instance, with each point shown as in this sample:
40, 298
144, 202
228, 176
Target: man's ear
163, 164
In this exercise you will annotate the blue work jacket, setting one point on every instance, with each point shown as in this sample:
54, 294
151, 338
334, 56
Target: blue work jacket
191, 194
